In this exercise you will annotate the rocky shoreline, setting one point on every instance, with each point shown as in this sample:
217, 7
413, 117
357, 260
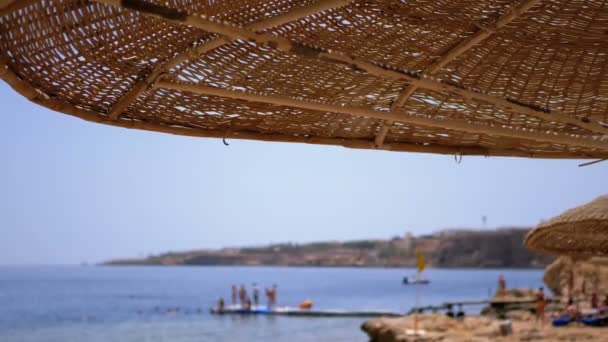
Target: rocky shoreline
520, 326
509, 317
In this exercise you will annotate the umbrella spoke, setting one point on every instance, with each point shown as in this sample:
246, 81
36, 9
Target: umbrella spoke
196, 51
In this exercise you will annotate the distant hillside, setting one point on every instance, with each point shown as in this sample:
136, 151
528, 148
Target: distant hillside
487, 249
453, 248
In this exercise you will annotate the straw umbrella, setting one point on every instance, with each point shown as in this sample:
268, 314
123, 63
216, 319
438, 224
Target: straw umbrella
492, 78
580, 232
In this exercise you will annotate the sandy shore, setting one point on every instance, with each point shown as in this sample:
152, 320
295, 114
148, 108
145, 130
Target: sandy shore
477, 328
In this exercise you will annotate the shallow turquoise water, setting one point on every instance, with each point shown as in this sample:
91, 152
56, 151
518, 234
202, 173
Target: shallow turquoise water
73, 303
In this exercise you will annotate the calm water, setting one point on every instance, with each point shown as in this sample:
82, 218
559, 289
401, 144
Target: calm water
74, 303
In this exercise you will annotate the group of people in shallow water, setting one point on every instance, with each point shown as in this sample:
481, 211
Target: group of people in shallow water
246, 302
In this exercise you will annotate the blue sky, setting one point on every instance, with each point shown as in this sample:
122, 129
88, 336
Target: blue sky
73, 191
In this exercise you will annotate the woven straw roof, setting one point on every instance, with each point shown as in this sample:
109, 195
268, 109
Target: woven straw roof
582, 231
471, 77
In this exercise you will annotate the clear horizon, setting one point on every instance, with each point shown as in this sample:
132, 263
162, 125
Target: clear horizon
74, 191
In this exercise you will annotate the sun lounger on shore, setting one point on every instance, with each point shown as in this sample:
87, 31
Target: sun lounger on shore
562, 321
596, 321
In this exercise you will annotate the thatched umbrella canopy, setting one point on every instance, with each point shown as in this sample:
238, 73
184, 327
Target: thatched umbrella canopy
474, 77
581, 231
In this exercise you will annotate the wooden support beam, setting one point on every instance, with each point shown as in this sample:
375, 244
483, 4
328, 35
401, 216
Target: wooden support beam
298, 13
140, 86
39, 97
452, 124
380, 70
385, 125
456, 51
481, 35
8, 6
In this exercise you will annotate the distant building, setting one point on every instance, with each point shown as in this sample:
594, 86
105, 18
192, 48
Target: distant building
408, 242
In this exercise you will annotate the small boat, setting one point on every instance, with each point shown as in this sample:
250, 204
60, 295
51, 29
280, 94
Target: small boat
415, 280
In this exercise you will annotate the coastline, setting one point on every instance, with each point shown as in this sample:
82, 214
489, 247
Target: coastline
520, 326
412, 267
491, 249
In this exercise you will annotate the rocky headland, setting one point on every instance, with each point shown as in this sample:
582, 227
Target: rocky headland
448, 248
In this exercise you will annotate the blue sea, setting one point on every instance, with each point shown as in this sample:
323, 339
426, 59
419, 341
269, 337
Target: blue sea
146, 303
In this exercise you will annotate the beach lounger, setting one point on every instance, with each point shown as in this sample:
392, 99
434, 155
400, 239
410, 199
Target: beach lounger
596, 321
562, 321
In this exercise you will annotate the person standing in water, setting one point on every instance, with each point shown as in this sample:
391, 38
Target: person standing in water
271, 293
247, 304
234, 294
256, 294
242, 295
221, 305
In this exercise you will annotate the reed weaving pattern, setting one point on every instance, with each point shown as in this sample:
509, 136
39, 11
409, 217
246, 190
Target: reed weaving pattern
494, 77
578, 232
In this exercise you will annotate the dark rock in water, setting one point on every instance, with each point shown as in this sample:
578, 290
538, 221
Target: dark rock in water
430, 328
378, 331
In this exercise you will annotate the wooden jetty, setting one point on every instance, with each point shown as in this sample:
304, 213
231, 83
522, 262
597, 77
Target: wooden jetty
447, 306
497, 304
294, 311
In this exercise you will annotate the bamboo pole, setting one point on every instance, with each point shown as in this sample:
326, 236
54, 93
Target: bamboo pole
298, 13
592, 162
453, 124
8, 6
381, 136
192, 52
482, 34
384, 71
456, 51
6, 3
24, 88
386, 124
